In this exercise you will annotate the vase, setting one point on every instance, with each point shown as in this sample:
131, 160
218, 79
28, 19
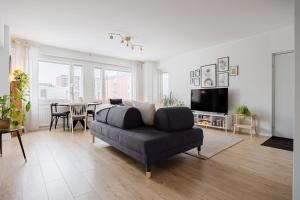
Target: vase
4, 123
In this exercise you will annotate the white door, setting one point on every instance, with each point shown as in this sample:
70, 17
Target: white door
283, 95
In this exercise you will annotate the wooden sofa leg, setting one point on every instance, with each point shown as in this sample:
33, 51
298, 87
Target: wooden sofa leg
93, 138
199, 149
148, 170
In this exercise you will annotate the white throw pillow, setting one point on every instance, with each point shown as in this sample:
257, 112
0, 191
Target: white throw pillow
147, 111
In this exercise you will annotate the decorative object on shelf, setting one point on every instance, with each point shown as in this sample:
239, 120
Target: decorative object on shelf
126, 40
208, 76
10, 109
243, 110
197, 73
223, 79
171, 101
223, 64
234, 70
197, 82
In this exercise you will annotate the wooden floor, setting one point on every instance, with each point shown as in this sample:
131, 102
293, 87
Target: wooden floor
62, 165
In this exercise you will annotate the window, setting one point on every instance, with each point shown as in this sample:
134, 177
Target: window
117, 84
165, 84
77, 82
97, 84
54, 81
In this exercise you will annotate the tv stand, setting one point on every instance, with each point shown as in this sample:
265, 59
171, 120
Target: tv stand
212, 120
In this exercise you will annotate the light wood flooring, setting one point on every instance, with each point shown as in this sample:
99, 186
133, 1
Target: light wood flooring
64, 166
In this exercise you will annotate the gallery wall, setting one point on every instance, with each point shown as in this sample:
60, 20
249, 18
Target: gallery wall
253, 85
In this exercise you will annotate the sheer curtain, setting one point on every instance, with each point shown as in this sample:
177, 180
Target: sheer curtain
25, 58
138, 85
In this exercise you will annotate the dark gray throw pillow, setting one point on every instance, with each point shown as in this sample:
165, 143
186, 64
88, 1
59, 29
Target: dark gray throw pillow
173, 119
124, 117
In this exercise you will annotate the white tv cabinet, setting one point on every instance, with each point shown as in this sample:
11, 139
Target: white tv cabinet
212, 120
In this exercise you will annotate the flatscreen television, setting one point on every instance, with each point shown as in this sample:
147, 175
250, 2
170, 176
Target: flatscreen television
210, 100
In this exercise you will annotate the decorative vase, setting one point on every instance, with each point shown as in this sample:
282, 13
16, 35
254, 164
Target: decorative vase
4, 123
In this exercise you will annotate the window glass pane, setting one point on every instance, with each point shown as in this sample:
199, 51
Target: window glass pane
98, 84
117, 84
165, 84
78, 82
54, 81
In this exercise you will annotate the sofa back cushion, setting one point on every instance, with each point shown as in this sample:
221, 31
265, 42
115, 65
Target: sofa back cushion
174, 119
124, 117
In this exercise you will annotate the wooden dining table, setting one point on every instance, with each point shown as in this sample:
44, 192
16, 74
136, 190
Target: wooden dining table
67, 104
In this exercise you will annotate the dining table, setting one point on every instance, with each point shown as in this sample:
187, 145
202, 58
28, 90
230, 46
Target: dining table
68, 104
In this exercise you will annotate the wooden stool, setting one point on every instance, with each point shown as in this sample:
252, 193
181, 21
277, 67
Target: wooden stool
251, 126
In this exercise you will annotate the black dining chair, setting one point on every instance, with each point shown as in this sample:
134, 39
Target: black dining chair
55, 115
92, 110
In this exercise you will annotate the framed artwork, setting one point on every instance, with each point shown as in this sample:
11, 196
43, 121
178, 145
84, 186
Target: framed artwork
196, 81
9, 65
208, 76
192, 74
197, 73
223, 64
234, 70
223, 79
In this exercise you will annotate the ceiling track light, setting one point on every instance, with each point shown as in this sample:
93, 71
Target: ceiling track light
126, 40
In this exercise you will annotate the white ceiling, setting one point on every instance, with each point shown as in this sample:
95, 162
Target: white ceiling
165, 27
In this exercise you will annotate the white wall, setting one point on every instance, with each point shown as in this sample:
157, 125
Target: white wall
296, 191
4, 61
253, 86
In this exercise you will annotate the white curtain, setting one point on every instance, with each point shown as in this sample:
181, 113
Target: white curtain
25, 58
138, 85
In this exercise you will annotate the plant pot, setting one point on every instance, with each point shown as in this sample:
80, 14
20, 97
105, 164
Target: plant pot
4, 123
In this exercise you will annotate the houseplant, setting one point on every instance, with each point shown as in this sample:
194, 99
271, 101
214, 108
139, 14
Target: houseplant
9, 112
243, 110
171, 101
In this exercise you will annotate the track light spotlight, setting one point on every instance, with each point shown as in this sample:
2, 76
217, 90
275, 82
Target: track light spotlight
111, 37
126, 40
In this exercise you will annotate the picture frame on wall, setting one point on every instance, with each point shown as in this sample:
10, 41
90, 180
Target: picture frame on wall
197, 73
223, 64
234, 70
223, 79
192, 74
208, 76
197, 82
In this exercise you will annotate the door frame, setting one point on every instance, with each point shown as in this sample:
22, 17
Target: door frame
273, 86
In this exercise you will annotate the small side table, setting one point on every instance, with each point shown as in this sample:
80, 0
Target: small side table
251, 126
10, 130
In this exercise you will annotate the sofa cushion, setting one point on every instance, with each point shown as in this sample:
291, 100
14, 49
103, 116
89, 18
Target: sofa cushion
124, 117
174, 119
147, 111
101, 115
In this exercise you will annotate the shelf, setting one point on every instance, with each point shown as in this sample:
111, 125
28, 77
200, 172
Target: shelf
210, 126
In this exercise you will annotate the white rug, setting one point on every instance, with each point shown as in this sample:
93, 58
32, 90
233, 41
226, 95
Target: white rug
214, 143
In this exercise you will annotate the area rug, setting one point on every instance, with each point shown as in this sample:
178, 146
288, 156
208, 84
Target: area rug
214, 143
279, 143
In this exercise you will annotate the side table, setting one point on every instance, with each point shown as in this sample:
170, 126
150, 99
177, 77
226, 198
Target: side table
251, 126
10, 130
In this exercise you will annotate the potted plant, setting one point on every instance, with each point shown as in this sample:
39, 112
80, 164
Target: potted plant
243, 111
10, 114
171, 101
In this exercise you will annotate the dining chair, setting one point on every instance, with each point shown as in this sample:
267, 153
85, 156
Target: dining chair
78, 112
92, 109
55, 115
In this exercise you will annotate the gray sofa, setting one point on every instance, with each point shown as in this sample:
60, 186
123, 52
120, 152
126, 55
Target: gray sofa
172, 133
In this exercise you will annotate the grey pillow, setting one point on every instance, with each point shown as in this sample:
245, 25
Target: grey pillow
147, 111
174, 119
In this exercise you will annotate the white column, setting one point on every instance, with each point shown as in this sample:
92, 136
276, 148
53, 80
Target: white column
296, 185
4, 60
